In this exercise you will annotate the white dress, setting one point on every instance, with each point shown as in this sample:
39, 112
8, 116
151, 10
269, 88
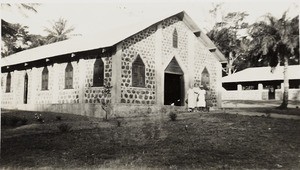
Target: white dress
191, 98
201, 98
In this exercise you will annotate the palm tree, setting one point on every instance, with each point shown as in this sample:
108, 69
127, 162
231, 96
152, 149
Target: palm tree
58, 31
277, 39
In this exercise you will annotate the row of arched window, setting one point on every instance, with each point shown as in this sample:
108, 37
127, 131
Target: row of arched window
138, 75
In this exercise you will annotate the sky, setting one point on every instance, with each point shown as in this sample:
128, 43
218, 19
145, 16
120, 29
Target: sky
96, 16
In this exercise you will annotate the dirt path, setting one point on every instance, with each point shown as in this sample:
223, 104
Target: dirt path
271, 115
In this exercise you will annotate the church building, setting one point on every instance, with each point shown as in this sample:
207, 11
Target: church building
141, 69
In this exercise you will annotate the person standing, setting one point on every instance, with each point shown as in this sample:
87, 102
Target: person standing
191, 96
201, 104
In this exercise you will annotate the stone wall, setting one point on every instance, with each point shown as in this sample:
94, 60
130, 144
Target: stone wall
204, 58
95, 94
39, 99
168, 51
142, 44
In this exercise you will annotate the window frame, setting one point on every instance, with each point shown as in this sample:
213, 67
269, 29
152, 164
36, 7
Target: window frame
175, 38
45, 79
205, 78
98, 72
138, 73
8, 83
69, 76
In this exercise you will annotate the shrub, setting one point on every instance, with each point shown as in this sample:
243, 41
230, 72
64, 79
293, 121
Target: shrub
39, 118
58, 118
24, 121
173, 116
64, 127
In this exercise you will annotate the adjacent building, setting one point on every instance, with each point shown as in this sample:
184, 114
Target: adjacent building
259, 83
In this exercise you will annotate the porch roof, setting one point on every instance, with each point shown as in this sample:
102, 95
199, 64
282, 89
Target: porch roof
262, 74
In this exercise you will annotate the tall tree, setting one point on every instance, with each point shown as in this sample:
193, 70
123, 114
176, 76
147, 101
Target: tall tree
22, 6
58, 31
277, 40
225, 35
15, 37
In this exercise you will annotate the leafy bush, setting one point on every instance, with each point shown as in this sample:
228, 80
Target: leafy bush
64, 127
173, 116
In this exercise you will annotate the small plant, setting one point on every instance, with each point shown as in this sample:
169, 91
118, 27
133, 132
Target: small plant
39, 118
24, 121
163, 110
58, 118
64, 127
173, 116
118, 123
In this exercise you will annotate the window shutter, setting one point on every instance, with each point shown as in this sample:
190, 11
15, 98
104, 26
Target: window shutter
45, 75
98, 77
175, 39
138, 73
69, 76
8, 82
205, 80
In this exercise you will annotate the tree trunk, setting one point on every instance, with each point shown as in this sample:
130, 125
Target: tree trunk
230, 62
285, 97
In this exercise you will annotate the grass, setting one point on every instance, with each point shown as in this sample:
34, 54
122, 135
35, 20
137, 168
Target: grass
194, 141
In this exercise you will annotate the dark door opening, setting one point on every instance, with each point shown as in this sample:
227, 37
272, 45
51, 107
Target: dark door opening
174, 90
25, 88
271, 92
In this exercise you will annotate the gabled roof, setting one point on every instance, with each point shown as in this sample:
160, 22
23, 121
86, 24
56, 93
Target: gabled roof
101, 40
262, 74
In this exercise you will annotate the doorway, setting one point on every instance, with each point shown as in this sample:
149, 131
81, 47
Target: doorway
271, 93
174, 91
174, 84
25, 88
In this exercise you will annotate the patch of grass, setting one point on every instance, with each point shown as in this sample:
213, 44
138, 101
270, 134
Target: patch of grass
212, 141
289, 111
13, 121
64, 127
172, 116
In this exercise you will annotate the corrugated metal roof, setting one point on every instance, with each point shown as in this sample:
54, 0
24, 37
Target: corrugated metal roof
262, 74
95, 41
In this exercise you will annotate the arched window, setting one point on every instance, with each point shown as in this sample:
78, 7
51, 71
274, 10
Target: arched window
45, 76
98, 73
138, 72
69, 76
205, 80
8, 83
175, 38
